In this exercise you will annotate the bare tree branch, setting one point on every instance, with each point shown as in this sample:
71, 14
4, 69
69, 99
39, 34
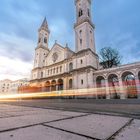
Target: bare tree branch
109, 57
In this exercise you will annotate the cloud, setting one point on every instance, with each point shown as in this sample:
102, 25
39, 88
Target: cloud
13, 46
16, 56
14, 68
117, 26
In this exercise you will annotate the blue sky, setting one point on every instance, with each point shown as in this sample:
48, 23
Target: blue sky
117, 25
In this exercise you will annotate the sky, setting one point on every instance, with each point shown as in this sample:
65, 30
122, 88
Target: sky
117, 25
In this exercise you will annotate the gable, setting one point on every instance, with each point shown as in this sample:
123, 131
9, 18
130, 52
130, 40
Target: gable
56, 54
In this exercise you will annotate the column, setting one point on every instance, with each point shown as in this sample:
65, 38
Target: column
137, 81
95, 91
65, 83
57, 87
122, 89
107, 89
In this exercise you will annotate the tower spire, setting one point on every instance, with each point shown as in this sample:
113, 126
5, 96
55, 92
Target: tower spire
44, 25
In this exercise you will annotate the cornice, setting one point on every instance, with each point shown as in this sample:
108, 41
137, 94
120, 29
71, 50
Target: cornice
41, 47
84, 21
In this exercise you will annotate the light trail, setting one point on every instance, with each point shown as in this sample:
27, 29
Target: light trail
92, 92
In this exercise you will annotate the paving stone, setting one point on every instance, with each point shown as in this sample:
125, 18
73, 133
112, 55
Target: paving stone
19, 117
20, 121
131, 132
96, 126
39, 133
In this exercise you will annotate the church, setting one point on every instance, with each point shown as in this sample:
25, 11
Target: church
60, 68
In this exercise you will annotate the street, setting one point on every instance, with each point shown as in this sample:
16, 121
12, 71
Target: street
127, 108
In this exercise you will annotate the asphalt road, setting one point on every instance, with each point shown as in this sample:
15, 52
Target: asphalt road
127, 108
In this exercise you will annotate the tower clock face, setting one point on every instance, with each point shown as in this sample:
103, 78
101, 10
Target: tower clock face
54, 57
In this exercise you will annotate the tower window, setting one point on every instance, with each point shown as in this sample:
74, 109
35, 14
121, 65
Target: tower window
80, 41
80, 13
39, 40
88, 13
45, 40
81, 61
82, 82
80, 33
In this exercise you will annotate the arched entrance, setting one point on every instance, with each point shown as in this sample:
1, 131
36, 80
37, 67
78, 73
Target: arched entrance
53, 85
113, 83
60, 84
100, 83
48, 86
70, 84
129, 83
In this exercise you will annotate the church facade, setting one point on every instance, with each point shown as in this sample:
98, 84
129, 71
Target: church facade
60, 68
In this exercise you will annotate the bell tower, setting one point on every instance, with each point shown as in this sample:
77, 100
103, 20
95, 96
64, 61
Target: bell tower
42, 49
43, 35
84, 28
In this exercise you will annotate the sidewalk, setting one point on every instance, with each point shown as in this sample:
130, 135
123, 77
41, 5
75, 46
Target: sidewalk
27, 123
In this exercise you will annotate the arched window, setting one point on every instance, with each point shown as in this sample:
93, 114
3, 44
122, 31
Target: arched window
60, 68
57, 70
80, 13
45, 40
41, 74
81, 61
80, 41
39, 40
88, 12
54, 70
82, 82
70, 67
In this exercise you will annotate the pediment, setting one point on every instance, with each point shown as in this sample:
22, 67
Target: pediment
57, 54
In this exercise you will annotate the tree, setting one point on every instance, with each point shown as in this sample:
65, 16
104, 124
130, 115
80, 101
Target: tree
109, 57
